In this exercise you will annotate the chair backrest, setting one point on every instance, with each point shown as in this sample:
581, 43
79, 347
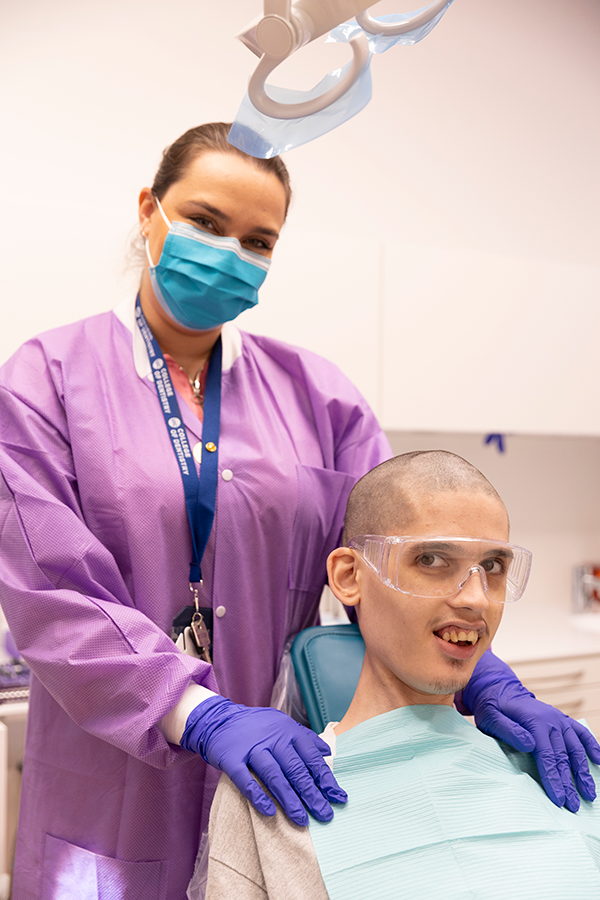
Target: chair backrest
327, 660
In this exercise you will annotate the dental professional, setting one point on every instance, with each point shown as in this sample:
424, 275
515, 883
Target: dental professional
105, 526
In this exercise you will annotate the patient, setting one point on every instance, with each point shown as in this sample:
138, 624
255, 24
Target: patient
437, 809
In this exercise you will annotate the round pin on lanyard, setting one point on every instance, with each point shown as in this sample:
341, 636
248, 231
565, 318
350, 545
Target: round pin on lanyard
200, 491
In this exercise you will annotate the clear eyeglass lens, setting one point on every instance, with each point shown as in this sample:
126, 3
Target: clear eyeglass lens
441, 569
442, 566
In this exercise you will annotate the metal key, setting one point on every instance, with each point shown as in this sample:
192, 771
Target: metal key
200, 636
198, 629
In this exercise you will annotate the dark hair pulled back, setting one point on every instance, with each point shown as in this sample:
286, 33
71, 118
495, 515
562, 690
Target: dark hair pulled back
204, 138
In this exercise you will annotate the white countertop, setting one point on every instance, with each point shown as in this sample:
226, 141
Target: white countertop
534, 632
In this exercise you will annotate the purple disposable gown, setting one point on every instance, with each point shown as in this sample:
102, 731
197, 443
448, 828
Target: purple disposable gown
95, 553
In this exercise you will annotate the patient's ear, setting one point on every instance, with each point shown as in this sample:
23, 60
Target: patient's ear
342, 570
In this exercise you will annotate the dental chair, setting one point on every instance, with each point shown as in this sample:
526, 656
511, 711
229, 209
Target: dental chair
327, 660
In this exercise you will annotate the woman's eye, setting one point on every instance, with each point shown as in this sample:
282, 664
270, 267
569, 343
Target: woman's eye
431, 561
257, 244
204, 223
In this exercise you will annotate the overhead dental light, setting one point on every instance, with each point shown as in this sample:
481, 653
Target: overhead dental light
277, 119
283, 29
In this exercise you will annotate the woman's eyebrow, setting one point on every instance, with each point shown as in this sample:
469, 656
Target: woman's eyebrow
211, 209
219, 214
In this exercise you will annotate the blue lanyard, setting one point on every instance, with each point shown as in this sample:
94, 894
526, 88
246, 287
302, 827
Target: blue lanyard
200, 492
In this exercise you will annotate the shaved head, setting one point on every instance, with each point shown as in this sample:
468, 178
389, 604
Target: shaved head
387, 497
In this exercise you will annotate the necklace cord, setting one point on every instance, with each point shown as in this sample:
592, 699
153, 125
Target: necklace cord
200, 490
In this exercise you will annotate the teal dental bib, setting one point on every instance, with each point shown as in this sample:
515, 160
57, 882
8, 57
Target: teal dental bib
437, 809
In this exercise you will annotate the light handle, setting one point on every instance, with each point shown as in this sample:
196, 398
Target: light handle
391, 29
269, 107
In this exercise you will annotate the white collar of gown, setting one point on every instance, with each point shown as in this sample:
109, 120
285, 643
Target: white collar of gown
231, 338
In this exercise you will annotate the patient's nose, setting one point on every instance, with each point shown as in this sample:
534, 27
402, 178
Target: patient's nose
473, 589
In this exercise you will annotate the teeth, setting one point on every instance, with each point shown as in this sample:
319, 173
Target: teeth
472, 637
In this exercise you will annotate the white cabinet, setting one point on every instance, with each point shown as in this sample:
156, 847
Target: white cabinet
323, 293
441, 339
571, 683
489, 343
13, 720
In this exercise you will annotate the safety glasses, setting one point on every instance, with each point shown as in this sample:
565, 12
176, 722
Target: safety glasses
440, 566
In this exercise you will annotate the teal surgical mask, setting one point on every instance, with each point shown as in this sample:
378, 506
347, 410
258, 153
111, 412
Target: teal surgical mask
203, 280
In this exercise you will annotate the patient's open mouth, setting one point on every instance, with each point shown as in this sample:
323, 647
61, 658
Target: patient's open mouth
458, 637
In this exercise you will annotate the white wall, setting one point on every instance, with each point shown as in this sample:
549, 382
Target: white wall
484, 137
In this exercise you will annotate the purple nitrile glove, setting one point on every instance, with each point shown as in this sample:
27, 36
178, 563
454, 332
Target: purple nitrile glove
506, 710
287, 757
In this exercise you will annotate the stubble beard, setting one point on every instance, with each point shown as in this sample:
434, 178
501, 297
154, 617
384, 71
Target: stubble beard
453, 684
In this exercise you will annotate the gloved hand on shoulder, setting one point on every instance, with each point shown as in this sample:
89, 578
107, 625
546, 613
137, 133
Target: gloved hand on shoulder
287, 757
505, 709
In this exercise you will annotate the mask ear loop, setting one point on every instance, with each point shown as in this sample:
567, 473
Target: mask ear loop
147, 249
167, 223
161, 211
